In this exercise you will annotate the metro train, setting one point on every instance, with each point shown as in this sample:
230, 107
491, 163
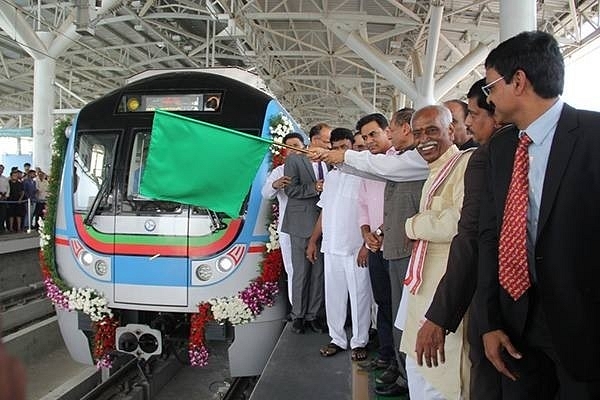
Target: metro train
155, 261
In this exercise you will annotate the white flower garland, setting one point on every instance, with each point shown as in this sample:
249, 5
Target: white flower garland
231, 309
90, 302
273, 243
278, 132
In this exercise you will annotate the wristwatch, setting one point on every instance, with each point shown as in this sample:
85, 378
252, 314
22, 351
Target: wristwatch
379, 232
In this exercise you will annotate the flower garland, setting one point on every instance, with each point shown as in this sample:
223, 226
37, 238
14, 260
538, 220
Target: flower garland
249, 303
236, 310
86, 300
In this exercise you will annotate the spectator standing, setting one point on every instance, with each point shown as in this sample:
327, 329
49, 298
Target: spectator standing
538, 271
433, 229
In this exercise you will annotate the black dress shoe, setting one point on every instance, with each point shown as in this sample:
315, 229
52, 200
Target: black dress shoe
317, 326
374, 364
390, 375
298, 326
391, 390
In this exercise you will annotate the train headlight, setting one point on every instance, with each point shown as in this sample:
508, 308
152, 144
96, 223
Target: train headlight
101, 267
225, 264
86, 258
204, 272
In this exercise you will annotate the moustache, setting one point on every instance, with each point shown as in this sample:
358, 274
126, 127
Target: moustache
427, 145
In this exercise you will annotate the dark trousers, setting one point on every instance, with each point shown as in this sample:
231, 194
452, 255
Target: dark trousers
382, 294
2, 217
308, 282
398, 269
541, 373
486, 381
38, 213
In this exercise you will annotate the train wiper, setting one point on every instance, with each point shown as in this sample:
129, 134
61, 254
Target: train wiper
97, 200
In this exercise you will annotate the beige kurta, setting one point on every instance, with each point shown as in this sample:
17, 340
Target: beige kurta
438, 225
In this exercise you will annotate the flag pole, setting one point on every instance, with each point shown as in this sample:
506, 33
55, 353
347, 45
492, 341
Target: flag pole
287, 146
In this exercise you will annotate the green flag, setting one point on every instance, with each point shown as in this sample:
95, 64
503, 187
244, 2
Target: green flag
197, 163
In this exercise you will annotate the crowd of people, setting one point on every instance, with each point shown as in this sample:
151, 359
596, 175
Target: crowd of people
463, 232
22, 198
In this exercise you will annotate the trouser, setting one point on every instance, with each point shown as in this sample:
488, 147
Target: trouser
286, 253
308, 300
541, 373
398, 269
382, 293
2, 217
418, 387
39, 212
486, 383
344, 277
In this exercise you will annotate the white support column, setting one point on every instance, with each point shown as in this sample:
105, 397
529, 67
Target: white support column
375, 58
517, 16
460, 70
43, 105
435, 25
360, 101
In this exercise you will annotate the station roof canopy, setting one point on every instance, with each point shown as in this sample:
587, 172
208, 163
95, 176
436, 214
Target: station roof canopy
323, 59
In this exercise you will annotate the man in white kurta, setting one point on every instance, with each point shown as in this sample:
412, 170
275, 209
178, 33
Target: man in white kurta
433, 229
274, 187
341, 242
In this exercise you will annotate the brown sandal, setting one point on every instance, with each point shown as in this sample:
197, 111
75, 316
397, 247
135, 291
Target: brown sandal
359, 354
330, 349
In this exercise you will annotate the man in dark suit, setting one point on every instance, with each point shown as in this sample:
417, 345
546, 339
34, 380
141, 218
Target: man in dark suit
455, 291
301, 213
538, 313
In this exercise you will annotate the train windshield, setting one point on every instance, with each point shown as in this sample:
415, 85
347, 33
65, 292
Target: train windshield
93, 163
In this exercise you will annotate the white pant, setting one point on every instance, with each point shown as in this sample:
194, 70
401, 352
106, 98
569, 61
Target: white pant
342, 277
286, 253
418, 387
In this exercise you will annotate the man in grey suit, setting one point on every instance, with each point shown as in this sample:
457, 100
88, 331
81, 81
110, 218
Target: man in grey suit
299, 220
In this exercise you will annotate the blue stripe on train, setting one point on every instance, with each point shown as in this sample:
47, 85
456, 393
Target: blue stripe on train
158, 272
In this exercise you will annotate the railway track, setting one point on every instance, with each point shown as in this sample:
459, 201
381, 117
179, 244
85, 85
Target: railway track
30, 329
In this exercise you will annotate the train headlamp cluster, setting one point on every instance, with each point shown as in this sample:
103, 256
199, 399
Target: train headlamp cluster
213, 269
94, 263
139, 340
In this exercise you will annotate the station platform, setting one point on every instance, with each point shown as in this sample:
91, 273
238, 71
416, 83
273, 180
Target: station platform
296, 371
14, 242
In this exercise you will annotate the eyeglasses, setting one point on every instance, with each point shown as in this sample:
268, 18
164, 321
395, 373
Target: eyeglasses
487, 88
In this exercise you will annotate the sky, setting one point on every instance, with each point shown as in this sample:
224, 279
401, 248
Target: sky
582, 78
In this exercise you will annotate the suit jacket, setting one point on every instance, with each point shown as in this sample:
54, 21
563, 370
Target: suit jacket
457, 287
565, 253
301, 212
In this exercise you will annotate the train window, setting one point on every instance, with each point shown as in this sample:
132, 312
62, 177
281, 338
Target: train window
93, 161
141, 144
207, 102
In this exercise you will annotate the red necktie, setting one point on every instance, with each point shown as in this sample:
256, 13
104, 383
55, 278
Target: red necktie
512, 252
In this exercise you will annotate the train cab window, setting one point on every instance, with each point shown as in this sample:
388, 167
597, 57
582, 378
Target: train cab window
93, 161
136, 166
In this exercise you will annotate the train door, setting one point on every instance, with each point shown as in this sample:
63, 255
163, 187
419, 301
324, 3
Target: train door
151, 239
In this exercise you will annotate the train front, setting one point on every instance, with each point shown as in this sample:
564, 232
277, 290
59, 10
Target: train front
153, 262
